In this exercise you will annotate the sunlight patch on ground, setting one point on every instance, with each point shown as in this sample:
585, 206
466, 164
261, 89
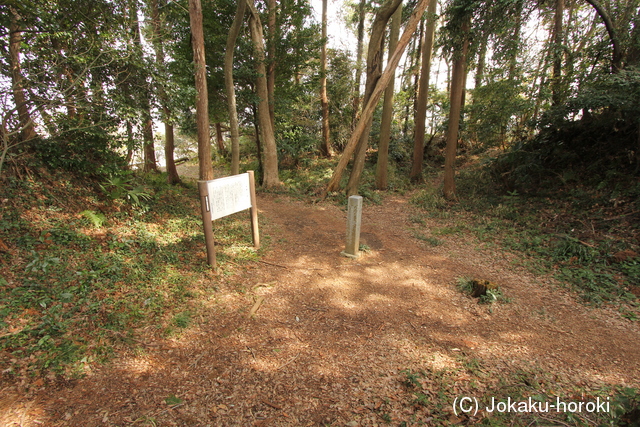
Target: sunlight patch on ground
139, 365
438, 361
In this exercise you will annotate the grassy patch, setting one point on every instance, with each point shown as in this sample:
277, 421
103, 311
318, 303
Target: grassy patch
575, 234
430, 240
84, 275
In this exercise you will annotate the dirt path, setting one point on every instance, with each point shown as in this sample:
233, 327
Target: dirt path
332, 335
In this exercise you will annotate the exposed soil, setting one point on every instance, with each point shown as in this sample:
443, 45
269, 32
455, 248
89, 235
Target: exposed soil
329, 341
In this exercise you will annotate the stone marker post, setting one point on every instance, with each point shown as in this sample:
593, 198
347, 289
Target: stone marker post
354, 214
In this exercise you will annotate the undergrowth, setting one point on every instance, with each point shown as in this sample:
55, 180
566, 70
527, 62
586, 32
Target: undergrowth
585, 237
82, 272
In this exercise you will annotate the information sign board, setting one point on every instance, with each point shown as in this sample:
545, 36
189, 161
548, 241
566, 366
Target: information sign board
225, 196
229, 195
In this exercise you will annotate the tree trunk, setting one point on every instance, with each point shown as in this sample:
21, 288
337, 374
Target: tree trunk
374, 70
416, 73
131, 143
380, 86
169, 141
382, 164
229, 85
256, 127
360, 51
220, 139
148, 149
423, 94
457, 88
271, 61
325, 147
169, 148
482, 61
413, 78
556, 79
270, 178
202, 100
150, 164
27, 129
515, 42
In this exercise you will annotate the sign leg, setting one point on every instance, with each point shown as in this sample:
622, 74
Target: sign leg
207, 223
255, 233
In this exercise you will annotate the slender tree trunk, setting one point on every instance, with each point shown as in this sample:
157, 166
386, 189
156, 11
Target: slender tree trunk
463, 96
556, 79
416, 73
413, 79
256, 127
271, 61
229, 85
271, 178
423, 94
407, 83
382, 164
169, 149
482, 61
149, 153
202, 100
457, 87
374, 70
17, 81
515, 42
325, 147
380, 86
169, 141
220, 139
130, 142
150, 164
360, 52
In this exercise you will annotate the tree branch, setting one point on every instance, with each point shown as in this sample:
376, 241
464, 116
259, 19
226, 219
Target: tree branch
616, 58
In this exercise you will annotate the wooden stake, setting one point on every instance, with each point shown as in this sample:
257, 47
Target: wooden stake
254, 212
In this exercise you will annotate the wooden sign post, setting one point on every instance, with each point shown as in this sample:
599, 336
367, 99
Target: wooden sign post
225, 196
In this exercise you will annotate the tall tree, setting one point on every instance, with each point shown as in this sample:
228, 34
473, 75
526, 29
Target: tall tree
325, 147
457, 88
149, 153
382, 164
379, 87
359, 54
423, 94
557, 50
374, 71
148, 149
202, 100
271, 59
230, 88
616, 51
157, 26
27, 128
270, 176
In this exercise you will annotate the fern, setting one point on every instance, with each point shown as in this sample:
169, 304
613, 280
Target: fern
97, 219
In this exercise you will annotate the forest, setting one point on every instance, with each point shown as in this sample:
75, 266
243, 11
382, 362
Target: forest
496, 145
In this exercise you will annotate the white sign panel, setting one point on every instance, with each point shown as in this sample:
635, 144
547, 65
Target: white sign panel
229, 195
